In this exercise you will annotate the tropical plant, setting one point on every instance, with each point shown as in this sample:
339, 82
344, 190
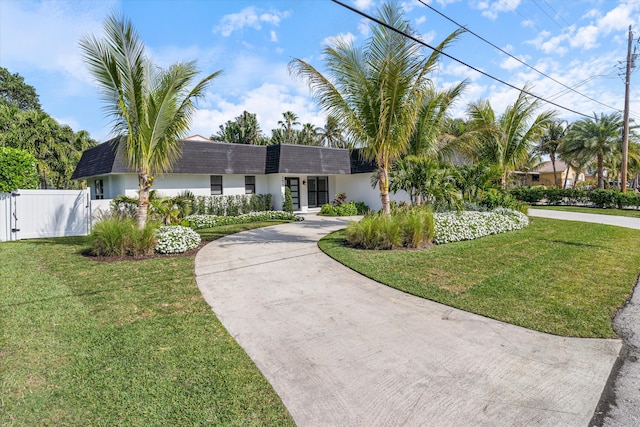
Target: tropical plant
151, 107
474, 180
308, 135
244, 129
550, 143
427, 140
331, 135
289, 120
507, 139
594, 138
376, 90
17, 170
16, 93
425, 181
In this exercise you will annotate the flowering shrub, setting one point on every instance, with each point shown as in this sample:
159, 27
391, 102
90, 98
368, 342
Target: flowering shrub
468, 225
176, 239
208, 221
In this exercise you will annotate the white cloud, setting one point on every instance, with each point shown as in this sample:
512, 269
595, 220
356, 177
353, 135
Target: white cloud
342, 37
31, 35
363, 27
267, 101
492, 10
363, 4
428, 37
421, 20
510, 64
248, 17
274, 36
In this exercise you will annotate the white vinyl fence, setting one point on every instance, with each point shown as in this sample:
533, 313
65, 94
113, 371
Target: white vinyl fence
28, 214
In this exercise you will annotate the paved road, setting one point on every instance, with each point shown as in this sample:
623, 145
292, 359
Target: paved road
620, 403
341, 349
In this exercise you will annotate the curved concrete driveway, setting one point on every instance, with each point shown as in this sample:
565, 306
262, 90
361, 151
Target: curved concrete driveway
341, 349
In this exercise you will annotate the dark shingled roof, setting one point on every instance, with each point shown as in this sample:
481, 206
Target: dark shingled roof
359, 165
215, 158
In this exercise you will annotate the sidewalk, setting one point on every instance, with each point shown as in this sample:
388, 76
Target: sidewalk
621, 221
341, 349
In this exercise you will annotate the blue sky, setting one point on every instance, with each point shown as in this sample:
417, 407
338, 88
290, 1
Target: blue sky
577, 42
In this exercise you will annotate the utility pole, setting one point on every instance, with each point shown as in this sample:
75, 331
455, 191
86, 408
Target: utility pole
625, 129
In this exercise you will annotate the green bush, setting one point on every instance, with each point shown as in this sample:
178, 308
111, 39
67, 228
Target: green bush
231, 205
17, 170
628, 199
344, 209
287, 205
604, 198
494, 198
412, 228
531, 195
207, 221
115, 236
362, 208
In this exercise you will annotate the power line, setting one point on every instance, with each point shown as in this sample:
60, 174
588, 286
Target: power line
517, 59
377, 21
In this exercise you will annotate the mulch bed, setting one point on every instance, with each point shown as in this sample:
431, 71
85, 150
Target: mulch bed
87, 254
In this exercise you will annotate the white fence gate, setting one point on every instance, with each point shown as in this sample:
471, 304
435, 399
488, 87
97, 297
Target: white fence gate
28, 214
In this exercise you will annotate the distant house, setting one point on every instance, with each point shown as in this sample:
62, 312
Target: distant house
543, 175
313, 174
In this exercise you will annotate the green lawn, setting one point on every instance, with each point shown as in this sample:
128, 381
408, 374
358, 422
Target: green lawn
121, 343
562, 277
617, 212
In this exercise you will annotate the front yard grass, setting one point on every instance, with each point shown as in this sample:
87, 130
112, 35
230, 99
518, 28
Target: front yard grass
616, 212
561, 277
119, 343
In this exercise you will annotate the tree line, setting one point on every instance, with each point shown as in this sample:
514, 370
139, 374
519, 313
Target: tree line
24, 126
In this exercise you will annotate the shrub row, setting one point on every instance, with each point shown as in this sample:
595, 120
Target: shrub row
231, 205
609, 198
207, 221
345, 209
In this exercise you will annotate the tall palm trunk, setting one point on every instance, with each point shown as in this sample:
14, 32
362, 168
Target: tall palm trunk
144, 181
555, 173
383, 182
600, 171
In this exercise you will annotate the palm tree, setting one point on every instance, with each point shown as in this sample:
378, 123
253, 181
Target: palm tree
550, 142
594, 138
290, 119
427, 139
506, 140
375, 91
151, 108
331, 134
308, 135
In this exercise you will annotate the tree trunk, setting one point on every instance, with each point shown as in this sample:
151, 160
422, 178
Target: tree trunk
144, 184
383, 182
555, 173
600, 171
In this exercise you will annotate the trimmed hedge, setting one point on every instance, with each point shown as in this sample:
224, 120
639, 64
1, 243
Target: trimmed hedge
610, 198
231, 205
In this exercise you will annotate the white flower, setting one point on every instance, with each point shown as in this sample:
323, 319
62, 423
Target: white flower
175, 239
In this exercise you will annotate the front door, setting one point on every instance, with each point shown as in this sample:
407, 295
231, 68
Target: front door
294, 186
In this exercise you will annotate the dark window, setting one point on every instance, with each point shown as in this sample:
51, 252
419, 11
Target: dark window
249, 185
318, 191
535, 178
216, 185
99, 189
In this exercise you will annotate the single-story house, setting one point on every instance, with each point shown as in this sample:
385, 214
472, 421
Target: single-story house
313, 174
542, 174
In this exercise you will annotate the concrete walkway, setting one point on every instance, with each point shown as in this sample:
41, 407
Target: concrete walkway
341, 349
621, 221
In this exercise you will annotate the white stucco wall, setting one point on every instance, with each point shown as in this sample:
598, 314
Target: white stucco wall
358, 188
172, 185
